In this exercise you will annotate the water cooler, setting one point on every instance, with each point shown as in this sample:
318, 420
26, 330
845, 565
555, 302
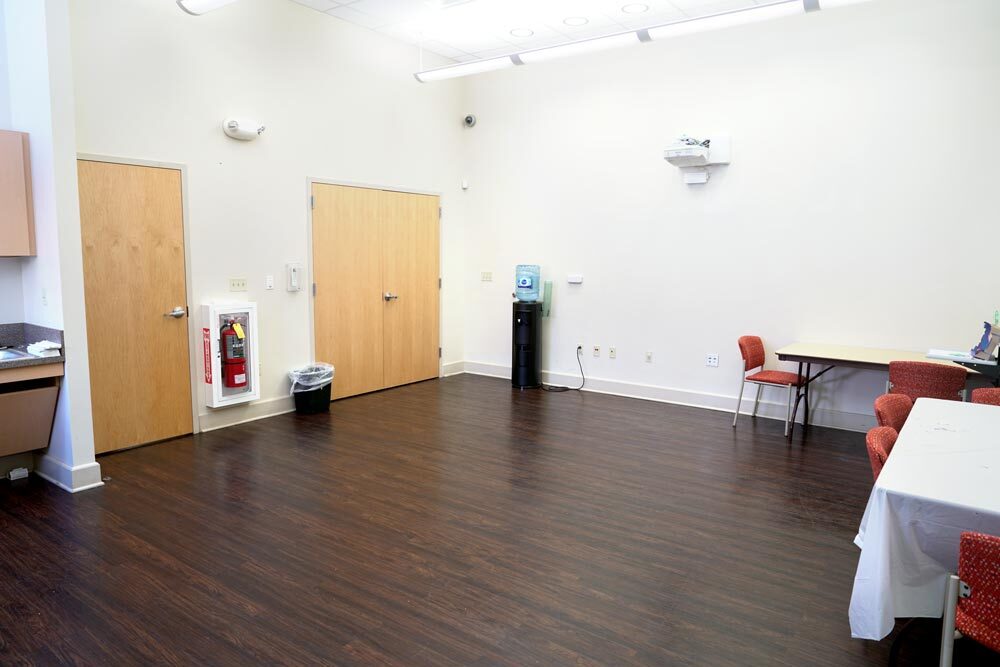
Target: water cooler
526, 355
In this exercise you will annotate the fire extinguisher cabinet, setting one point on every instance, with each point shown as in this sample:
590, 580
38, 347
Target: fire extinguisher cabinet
230, 366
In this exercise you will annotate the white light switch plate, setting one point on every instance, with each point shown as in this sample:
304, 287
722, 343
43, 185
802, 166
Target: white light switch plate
268, 282
237, 284
575, 278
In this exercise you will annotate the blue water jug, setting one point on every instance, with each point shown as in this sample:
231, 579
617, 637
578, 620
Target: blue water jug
526, 282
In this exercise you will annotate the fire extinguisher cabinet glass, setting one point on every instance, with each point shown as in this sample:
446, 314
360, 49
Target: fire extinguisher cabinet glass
230, 371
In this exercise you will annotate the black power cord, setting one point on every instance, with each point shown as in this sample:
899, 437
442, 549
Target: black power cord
583, 378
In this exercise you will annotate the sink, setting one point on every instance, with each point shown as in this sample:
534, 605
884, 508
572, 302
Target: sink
10, 355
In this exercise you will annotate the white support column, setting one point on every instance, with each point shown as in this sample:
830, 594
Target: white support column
40, 79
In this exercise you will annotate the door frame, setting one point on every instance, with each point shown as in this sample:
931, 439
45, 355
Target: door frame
193, 343
310, 181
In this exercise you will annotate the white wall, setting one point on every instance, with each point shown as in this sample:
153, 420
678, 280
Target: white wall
339, 102
864, 178
41, 104
11, 306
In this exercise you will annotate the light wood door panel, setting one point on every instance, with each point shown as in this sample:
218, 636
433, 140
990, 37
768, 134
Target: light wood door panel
410, 256
133, 261
347, 269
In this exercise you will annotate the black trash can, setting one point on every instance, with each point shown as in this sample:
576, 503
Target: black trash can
314, 401
311, 387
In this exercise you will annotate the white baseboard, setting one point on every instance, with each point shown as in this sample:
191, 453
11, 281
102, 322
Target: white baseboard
848, 421
69, 478
248, 412
453, 368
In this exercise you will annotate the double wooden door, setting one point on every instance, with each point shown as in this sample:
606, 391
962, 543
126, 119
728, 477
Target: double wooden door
376, 273
132, 224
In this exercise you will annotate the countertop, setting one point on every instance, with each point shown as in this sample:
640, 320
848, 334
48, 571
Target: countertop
19, 335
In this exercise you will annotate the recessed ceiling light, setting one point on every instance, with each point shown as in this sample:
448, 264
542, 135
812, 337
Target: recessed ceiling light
635, 8
576, 20
521, 32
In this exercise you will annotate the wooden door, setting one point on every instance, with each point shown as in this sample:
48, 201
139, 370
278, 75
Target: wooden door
410, 274
367, 243
133, 265
347, 270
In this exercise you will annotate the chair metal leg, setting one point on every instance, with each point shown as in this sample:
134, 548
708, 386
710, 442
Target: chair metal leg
948, 627
756, 402
739, 399
788, 412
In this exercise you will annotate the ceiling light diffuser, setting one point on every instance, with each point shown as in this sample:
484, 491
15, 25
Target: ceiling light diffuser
832, 4
464, 69
635, 8
728, 19
199, 7
753, 14
577, 48
521, 32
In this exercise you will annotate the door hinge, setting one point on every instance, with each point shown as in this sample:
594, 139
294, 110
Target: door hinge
314, 289
188, 309
312, 201
439, 353
439, 283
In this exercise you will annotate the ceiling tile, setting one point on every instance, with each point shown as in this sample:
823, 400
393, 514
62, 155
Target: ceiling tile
319, 5
348, 13
482, 28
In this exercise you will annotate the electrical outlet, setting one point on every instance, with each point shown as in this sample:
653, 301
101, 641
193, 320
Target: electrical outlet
237, 284
487, 277
268, 282
612, 352
597, 350
649, 357
712, 359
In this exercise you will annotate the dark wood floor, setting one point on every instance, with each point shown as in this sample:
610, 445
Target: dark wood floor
452, 522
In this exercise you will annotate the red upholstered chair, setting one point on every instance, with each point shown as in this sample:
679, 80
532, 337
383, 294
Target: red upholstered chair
892, 410
922, 379
752, 351
972, 603
880, 441
986, 395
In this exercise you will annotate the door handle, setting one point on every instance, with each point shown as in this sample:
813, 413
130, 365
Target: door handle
389, 296
177, 313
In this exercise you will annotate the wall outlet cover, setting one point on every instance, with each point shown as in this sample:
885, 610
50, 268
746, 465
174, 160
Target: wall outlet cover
597, 350
712, 359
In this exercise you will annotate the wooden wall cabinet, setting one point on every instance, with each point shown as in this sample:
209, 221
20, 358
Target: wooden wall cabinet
17, 223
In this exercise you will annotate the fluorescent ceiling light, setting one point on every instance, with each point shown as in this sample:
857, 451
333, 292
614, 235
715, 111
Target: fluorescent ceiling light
576, 48
475, 67
199, 7
727, 19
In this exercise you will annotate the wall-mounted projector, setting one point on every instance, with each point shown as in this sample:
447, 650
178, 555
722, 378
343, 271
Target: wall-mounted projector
694, 156
687, 155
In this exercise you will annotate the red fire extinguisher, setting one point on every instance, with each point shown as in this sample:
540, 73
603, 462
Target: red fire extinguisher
234, 357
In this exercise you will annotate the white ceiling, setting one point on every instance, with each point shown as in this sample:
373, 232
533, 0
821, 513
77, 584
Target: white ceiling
465, 30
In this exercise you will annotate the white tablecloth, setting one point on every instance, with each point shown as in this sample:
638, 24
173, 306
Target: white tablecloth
942, 478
